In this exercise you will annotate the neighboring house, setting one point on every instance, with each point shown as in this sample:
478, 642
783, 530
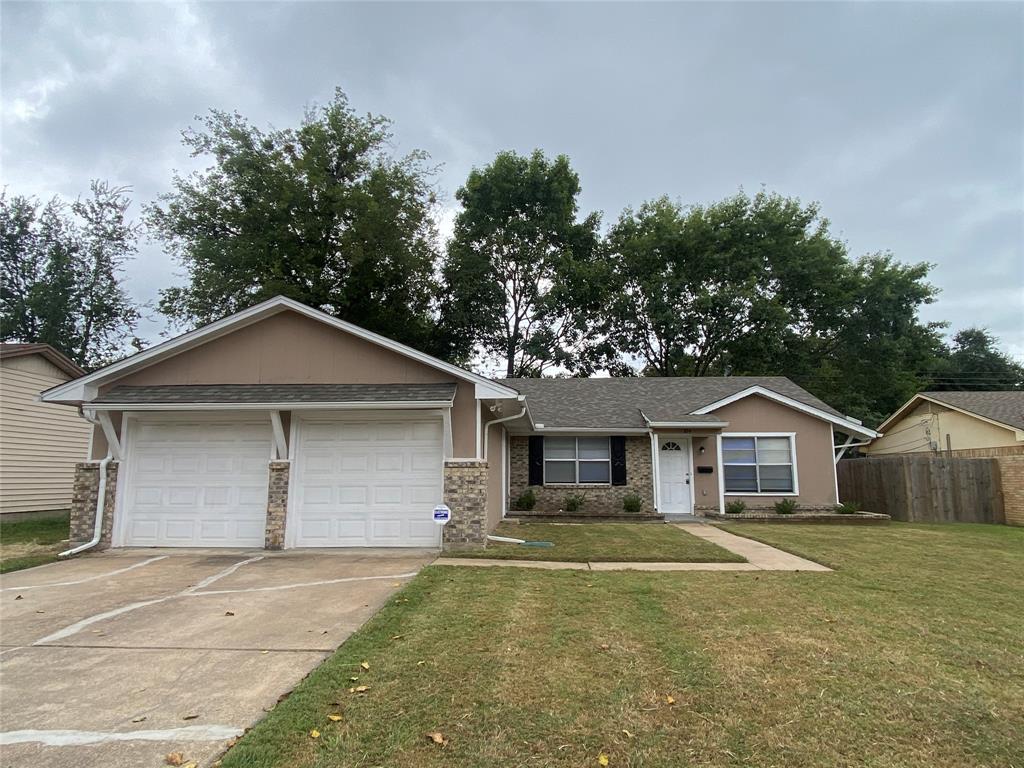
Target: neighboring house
281, 426
40, 443
968, 423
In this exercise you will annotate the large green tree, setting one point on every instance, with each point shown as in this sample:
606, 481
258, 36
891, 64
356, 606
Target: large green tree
758, 285
973, 361
322, 213
60, 274
523, 275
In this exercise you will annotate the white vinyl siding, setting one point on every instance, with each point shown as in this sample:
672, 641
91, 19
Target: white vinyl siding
759, 464
577, 460
40, 443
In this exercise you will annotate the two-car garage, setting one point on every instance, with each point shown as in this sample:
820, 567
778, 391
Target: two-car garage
357, 480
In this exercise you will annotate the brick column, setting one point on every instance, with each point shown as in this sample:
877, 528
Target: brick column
83, 503
465, 492
277, 504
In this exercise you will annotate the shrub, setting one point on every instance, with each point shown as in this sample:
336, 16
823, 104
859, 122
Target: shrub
785, 506
735, 507
573, 502
848, 508
527, 500
632, 503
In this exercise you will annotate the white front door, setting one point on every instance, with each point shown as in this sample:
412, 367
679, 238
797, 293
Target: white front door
674, 475
196, 484
367, 481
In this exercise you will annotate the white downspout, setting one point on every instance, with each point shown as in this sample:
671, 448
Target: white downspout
101, 495
488, 425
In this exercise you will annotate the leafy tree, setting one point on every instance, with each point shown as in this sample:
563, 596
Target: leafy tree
61, 272
974, 362
321, 213
759, 286
523, 276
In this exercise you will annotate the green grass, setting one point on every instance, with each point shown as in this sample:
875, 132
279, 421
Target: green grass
28, 543
604, 542
910, 656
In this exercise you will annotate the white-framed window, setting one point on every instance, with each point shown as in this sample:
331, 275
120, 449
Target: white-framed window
759, 464
576, 460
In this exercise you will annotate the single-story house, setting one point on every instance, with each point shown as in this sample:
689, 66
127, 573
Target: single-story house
40, 443
969, 423
282, 426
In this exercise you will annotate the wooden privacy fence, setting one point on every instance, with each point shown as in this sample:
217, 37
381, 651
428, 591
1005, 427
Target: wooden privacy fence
925, 488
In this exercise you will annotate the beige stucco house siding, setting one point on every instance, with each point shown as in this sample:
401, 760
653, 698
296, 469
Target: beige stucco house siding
495, 470
40, 443
928, 426
814, 452
289, 348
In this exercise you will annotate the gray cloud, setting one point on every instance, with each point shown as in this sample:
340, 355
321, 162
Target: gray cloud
904, 120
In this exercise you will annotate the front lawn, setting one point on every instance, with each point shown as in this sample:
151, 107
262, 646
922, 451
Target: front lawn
27, 543
604, 542
909, 655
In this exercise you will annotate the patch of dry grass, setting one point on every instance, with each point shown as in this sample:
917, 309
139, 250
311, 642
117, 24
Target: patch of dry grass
909, 655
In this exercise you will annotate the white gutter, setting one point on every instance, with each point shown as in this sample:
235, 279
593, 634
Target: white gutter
487, 427
101, 496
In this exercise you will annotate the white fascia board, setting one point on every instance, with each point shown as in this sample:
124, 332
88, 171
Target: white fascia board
330, 406
540, 430
848, 425
688, 424
78, 390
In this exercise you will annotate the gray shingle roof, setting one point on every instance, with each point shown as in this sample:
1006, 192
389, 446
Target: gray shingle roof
278, 393
1006, 407
616, 403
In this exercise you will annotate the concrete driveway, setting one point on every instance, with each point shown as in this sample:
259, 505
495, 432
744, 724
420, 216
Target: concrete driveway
117, 659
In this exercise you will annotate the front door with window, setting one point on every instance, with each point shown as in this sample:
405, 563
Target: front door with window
674, 476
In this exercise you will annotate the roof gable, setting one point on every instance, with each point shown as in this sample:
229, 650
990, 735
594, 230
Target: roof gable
88, 387
1004, 408
48, 353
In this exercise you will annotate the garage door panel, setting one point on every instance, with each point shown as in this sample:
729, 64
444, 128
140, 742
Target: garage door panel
382, 475
197, 484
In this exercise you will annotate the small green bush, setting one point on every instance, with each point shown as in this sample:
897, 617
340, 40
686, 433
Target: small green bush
848, 508
735, 507
785, 506
527, 500
573, 502
632, 503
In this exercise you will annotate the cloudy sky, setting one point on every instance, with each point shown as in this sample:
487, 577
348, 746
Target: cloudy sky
905, 121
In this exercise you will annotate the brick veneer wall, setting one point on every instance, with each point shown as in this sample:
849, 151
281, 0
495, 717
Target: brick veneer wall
1011, 475
600, 499
465, 492
277, 504
83, 503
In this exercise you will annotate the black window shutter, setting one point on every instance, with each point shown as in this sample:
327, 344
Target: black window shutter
618, 460
536, 460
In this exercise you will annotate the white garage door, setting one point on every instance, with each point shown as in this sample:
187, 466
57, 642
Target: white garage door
367, 482
201, 484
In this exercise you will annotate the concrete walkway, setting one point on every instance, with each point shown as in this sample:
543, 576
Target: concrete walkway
760, 557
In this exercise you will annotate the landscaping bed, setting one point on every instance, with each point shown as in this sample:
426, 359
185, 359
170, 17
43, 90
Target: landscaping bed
908, 655
602, 542
800, 516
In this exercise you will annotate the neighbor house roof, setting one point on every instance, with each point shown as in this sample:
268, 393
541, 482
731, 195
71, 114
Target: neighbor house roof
636, 403
276, 394
1006, 407
51, 354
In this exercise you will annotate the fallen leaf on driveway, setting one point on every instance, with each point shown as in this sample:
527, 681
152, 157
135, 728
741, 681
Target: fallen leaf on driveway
437, 737
365, 665
229, 613
334, 718
314, 734
190, 717
174, 758
19, 597
139, 719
